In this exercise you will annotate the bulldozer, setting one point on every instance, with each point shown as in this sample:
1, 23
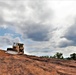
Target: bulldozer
17, 47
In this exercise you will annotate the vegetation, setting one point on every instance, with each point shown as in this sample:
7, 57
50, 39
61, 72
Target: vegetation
73, 56
60, 56
45, 56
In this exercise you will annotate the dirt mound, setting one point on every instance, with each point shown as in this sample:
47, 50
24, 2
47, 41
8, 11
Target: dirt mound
32, 65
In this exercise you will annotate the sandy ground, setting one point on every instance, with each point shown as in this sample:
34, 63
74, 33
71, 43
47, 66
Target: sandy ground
13, 64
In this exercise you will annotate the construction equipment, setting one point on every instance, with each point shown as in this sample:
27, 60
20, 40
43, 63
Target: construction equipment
18, 47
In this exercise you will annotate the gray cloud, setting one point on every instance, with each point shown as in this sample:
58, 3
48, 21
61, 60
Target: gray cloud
33, 25
40, 10
7, 40
65, 43
71, 33
36, 32
70, 36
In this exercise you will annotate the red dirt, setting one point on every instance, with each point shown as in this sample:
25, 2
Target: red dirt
32, 65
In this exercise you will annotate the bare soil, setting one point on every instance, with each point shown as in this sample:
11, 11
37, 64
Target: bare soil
13, 64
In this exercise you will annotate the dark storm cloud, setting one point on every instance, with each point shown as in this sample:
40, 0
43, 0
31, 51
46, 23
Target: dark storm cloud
37, 32
70, 35
66, 43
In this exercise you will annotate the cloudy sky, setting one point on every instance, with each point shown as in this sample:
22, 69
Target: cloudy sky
44, 26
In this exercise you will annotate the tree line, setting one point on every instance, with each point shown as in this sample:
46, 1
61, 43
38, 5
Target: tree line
60, 56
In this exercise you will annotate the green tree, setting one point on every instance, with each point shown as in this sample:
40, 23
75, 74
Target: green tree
58, 55
73, 56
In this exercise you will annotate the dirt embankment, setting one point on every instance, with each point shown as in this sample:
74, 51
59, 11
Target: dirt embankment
32, 65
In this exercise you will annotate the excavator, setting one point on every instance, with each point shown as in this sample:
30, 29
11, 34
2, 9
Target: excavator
17, 47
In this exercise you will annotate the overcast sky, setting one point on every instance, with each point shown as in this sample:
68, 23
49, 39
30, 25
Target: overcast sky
44, 26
